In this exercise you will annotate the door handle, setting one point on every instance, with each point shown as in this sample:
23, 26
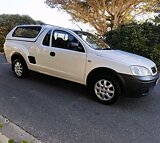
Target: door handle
52, 54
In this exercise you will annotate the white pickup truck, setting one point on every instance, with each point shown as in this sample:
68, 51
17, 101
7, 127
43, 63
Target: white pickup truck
80, 57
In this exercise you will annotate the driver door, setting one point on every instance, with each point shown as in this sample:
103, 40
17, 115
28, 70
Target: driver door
64, 58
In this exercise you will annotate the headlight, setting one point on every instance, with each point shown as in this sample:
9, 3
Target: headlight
140, 71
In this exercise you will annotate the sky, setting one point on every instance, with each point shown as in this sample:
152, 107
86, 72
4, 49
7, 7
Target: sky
38, 10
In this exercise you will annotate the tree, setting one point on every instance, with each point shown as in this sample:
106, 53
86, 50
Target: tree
7, 22
157, 20
156, 6
102, 14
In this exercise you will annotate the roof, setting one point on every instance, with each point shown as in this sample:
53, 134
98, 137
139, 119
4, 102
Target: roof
49, 26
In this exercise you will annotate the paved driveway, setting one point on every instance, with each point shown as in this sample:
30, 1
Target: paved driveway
58, 111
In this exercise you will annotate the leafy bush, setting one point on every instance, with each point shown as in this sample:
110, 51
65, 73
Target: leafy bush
142, 39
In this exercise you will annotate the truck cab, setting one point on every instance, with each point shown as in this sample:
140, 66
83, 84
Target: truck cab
80, 57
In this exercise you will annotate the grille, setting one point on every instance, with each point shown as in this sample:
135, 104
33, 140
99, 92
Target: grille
154, 70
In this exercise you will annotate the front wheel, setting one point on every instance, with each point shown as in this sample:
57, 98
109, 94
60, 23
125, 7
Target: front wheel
105, 89
20, 68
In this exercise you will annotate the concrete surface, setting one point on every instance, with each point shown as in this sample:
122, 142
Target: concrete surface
58, 111
12, 131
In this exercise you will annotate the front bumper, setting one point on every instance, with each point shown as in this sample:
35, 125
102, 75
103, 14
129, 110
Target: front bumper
139, 86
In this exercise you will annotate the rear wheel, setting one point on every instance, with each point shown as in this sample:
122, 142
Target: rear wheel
20, 68
105, 89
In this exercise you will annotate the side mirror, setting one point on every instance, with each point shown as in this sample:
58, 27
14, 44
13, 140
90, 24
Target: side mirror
73, 45
76, 46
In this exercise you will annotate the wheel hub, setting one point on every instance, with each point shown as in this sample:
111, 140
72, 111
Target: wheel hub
18, 68
104, 90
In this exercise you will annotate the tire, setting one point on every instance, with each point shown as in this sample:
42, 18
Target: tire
20, 68
105, 89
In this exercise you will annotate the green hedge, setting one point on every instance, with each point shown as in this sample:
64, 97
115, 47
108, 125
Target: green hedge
142, 39
1, 43
8, 21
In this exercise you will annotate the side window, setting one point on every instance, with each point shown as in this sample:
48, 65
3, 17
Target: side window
65, 40
46, 40
27, 31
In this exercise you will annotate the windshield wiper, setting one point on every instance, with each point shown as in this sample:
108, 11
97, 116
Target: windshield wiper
103, 49
107, 49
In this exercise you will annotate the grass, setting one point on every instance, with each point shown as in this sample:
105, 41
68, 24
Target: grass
24, 142
1, 125
13, 141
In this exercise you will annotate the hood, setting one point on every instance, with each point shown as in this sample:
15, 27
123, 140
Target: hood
125, 58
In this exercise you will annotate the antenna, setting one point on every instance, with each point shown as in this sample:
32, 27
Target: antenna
79, 27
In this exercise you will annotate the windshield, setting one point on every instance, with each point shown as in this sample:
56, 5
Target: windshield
93, 41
